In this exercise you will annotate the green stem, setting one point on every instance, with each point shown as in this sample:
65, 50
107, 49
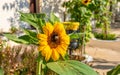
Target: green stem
38, 72
39, 66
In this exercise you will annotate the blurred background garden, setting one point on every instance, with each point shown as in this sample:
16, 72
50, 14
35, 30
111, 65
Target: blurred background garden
93, 27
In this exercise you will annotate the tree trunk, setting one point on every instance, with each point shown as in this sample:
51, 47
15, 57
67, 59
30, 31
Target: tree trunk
105, 31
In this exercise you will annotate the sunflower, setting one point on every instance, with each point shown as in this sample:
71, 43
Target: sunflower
71, 25
86, 2
54, 42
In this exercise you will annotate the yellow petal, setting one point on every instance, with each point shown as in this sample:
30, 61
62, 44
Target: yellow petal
42, 36
48, 29
75, 26
59, 28
71, 25
55, 55
64, 47
65, 39
43, 39
46, 53
61, 51
49, 53
43, 43
40, 48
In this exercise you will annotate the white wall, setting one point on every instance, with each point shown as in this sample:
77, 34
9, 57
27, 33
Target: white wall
118, 7
53, 6
9, 13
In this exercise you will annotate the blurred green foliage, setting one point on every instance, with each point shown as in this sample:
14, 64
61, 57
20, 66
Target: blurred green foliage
102, 36
114, 71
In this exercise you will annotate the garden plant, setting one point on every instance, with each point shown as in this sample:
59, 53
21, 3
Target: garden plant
52, 43
103, 18
81, 11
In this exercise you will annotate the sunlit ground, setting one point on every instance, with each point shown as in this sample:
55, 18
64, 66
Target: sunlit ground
106, 54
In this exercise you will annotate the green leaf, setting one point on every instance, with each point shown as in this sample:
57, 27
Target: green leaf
115, 71
75, 35
33, 19
70, 67
53, 18
15, 38
1, 71
31, 34
28, 39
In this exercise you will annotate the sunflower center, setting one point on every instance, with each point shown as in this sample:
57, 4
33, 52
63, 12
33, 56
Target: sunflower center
54, 40
86, 1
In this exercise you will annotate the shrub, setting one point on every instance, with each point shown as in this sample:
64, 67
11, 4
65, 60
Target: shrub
114, 71
18, 60
102, 36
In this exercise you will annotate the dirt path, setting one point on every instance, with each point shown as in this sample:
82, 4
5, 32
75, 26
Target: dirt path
106, 54
112, 45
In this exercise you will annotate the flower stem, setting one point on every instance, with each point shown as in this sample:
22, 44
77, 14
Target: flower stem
39, 66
